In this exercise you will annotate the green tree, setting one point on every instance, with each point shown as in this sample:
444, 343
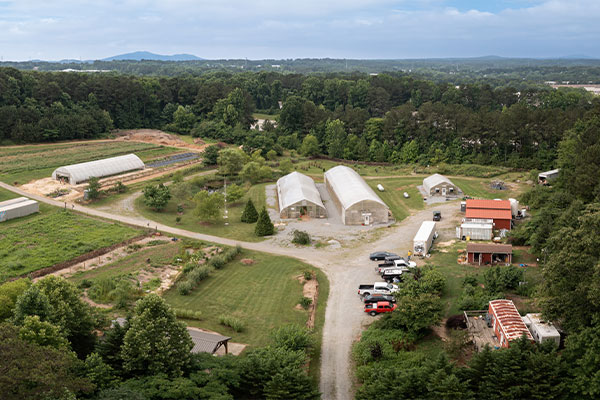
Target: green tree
93, 188
156, 197
231, 161
235, 192
42, 333
293, 337
414, 314
99, 373
183, 120
155, 342
9, 293
236, 108
336, 135
286, 166
249, 215
264, 226
109, 347
310, 146
31, 302
211, 155
253, 172
208, 205
409, 152
271, 155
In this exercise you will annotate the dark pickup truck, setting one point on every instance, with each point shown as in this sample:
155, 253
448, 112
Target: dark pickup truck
374, 298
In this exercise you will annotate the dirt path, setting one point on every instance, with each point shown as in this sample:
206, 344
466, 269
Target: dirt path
345, 269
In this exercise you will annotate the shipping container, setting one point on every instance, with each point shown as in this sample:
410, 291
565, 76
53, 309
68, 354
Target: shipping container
424, 238
18, 210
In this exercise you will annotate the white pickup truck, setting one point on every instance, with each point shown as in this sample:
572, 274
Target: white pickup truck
402, 263
377, 287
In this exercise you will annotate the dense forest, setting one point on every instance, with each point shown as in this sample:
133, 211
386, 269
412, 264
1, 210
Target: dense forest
394, 117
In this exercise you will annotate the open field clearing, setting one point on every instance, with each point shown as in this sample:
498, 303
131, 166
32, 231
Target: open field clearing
262, 295
25, 163
393, 195
42, 240
235, 230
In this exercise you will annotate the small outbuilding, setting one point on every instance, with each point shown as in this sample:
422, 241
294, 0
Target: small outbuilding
544, 178
507, 322
489, 253
357, 202
439, 185
77, 173
541, 330
16, 208
475, 229
206, 342
298, 195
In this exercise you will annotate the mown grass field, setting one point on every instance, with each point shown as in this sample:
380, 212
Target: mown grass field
52, 236
22, 164
393, 195
262, 295
235, 230
131, 264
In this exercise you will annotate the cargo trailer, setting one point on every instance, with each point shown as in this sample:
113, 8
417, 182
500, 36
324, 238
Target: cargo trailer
17, 210
424, 238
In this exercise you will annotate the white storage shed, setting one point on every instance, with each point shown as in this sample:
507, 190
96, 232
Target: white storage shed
424, 238
475, 231
77, 173
18, 209
298, 195
439, 185
541, 330
357, 202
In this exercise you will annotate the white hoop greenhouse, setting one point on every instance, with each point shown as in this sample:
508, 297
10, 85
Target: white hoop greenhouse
82, 172
298, 195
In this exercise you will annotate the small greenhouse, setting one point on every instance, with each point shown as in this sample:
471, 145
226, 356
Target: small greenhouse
82, 172
298, 195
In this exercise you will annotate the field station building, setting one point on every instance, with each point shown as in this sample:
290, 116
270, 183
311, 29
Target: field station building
439, 185
497, 210
357, 202
544, 178
16, 208
507, 322
489, 253
475, 229
82, 172
298, 195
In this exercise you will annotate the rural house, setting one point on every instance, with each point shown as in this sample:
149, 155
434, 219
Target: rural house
357, 202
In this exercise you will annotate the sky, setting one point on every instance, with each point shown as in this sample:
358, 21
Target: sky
287, 29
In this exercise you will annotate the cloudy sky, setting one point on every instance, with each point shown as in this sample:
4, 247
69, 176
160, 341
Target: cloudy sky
257, 29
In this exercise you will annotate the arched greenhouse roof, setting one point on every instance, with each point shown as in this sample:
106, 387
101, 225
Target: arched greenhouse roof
296, 187
100, 168
349, 187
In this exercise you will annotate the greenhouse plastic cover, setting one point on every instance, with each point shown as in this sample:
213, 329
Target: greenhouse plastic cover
296, 187
349, 187
99, 168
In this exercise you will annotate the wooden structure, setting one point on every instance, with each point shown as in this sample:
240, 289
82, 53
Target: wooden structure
507, 322
489, 253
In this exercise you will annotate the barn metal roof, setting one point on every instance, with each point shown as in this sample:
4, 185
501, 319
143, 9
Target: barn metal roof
99, 168
509, 319
296, 187
489, 248
434, 180
548, 173
349, 187
485, 213
488, 204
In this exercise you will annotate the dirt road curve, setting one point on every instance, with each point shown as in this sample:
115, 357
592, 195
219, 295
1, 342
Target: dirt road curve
345, 268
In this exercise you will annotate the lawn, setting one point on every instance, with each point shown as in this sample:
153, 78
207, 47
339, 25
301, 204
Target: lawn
393, 195
480, 188
22, 164
262, 295
42, 240
235, 230
272, 117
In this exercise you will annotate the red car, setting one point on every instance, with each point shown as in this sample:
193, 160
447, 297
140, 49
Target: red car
380, 307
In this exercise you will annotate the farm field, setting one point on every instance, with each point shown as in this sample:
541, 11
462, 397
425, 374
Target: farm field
394, 198
42, 240
235, 230
22, 164
262, 295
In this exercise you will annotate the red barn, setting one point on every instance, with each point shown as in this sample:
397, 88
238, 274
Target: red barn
498, 210
507, 322
489, 253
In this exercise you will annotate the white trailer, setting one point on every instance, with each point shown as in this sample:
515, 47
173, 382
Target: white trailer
542, 331
424, 238
12, 201
474, 231
20, 209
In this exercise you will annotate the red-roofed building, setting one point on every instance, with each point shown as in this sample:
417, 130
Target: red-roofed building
498, 210
507, 322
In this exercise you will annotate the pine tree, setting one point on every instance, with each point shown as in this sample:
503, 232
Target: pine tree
250, 215
264, 226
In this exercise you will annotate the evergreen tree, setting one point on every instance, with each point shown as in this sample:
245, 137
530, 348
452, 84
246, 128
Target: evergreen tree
250, 215
264, 226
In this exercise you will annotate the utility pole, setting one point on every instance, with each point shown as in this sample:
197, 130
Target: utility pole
225, 217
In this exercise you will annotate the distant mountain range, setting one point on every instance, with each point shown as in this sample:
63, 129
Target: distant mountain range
146, 55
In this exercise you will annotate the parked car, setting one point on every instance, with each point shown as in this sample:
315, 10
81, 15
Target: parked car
437, 215
401, 263
380, 255
374, 298
380, 307
377, 287
394, 274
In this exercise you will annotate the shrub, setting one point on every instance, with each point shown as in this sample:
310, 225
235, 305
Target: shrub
470, 280
217, 262
293, 337
232, 322
305, 302
249, 215
84, 284
198, 274
187, 314
301, 237
308, 275
264, 226
502, 278
184, 288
